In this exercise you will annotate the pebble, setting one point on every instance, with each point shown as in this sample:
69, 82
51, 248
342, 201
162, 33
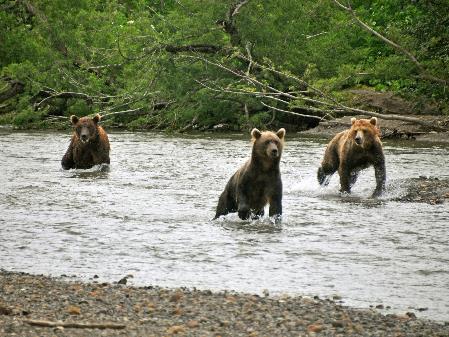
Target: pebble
156, 311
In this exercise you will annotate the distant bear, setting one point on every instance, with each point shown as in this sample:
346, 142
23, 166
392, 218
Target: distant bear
89, 145
258, 181
353, 150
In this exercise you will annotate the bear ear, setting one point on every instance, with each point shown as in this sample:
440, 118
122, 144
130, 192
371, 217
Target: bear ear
96, 118
256, 133
74, 119
373, 120
353, 119
281, 133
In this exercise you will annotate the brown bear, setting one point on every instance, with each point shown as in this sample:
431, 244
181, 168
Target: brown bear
89, 145
353, 150
258, 181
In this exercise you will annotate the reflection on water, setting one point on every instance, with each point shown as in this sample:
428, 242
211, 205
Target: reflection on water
148, 214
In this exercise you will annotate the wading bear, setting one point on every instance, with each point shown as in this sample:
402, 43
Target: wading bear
258, 182
89, 145
353, 150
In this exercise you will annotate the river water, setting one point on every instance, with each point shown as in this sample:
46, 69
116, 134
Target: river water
149, 216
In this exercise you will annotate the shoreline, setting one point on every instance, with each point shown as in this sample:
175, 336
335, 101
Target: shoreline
391, 130
75, 308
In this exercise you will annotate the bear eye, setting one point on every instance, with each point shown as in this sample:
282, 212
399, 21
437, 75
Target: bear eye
267, 142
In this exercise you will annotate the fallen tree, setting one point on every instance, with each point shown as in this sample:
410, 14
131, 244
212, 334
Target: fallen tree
322, 104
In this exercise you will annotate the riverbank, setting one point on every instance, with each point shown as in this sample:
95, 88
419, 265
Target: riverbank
390, 129
35, 305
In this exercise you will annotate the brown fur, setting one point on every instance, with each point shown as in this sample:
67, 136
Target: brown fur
353, 150
89, 145
258, 181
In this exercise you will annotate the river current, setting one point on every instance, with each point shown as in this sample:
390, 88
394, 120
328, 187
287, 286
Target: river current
150, 215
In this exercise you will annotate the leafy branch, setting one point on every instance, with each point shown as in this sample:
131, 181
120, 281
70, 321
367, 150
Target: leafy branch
424, 73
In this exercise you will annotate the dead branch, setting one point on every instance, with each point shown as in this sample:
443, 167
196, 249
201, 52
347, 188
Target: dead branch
105, 66
410, 56
414, 120
138, 111
228, 24
336, 107
294, 113
268, 95
349, 109
250, 58
274, 91
234, 10
189, 125
199, 48
315, 35
64, 94
288, 75
78, 325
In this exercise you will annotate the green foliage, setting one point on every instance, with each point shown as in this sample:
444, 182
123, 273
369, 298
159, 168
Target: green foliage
118, 53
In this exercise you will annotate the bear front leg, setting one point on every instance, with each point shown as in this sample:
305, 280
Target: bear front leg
243, 200
275, 199
326, 170
345, 179
243, 210
67, 161
276, 208
101, 158
223, 206
380, 174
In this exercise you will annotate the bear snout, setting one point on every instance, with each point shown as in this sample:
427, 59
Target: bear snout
84, 138
272, 150
359, 138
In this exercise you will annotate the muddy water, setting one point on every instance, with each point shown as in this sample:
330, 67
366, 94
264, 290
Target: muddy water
149, 216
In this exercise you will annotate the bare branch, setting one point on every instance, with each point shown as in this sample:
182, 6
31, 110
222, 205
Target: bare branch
236, 8
315, 35
336, 107
79, 325
394, 117
263, 85
138, 111
250, 58
294, 113
201, 48
287, 75
228, 24
65, 94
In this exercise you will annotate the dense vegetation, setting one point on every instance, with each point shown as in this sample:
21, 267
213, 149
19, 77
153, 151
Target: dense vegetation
180, 64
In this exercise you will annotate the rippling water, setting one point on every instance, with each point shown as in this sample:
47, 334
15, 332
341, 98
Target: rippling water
149, 216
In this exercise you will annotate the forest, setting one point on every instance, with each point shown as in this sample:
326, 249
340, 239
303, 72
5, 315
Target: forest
183, 65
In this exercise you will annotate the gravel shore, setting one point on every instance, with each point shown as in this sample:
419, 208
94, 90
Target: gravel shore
35, 305
431, 190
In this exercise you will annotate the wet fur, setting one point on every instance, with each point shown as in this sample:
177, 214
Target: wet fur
81, 155
347, 157
258, 182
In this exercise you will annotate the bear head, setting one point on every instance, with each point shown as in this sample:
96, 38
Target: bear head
86, 128
364, 131
268, 145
